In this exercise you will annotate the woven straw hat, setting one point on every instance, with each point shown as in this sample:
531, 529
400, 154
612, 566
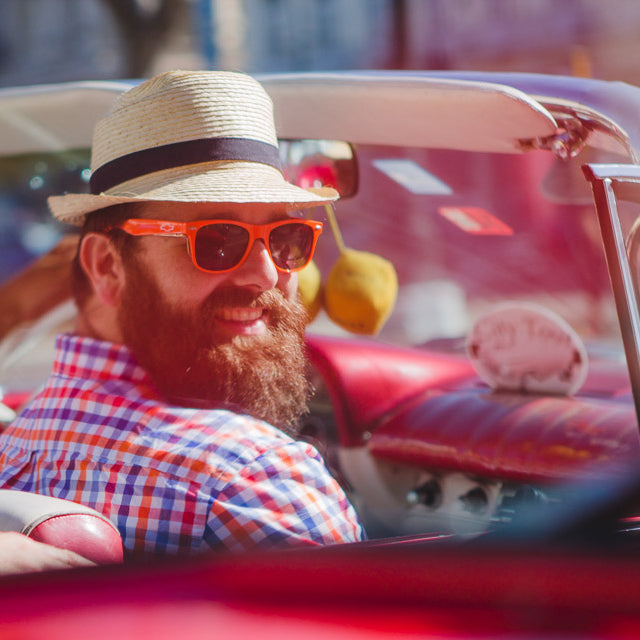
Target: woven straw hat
187, 136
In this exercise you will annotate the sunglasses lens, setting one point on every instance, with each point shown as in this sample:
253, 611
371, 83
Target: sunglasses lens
220, 246
291, 245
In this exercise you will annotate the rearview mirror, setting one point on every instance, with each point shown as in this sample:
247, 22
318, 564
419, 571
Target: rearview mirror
316, 163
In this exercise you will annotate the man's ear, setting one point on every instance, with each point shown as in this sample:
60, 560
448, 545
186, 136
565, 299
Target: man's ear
102, 263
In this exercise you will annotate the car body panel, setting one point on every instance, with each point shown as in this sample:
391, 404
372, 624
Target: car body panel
364, 593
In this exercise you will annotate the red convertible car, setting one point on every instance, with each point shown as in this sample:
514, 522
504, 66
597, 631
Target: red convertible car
475, 349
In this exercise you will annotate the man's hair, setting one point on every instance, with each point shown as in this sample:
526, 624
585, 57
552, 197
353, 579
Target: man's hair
102, 221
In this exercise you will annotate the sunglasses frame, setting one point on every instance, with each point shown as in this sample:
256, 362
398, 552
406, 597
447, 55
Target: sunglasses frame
170, 228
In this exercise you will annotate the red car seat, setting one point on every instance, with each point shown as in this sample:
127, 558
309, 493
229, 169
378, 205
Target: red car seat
61, 523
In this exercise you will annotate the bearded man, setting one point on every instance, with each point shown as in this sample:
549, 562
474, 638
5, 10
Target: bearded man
167, 408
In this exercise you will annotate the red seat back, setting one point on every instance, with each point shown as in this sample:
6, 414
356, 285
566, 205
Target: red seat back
61, 523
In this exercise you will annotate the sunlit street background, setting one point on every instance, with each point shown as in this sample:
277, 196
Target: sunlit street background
58, 40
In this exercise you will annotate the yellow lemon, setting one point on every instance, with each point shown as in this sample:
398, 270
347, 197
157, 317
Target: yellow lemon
310, 289
361, 291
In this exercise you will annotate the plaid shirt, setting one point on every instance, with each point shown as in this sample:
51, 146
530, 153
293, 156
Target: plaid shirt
171, 478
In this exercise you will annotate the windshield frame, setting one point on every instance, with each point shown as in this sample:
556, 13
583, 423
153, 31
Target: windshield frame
610, 182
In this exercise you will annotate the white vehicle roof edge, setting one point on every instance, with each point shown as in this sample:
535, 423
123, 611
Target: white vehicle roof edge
113, 86
470, 115
37, 118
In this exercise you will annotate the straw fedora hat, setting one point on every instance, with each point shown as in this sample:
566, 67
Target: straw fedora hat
187, 136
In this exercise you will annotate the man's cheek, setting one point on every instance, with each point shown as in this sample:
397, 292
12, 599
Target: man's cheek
288, 284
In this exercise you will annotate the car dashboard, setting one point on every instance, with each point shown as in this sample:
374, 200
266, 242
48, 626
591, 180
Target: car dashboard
423, 445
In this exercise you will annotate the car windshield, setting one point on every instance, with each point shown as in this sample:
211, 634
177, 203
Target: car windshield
466, 231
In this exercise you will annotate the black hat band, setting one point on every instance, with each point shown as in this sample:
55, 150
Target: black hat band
179, 154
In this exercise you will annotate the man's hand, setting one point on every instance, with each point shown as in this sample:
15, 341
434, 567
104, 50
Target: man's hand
20, 554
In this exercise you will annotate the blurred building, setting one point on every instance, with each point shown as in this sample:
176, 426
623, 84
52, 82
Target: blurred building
278, 35
55, 40
546, 36
50, 40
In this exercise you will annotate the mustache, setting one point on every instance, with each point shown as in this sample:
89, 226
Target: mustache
230, 296
286, 315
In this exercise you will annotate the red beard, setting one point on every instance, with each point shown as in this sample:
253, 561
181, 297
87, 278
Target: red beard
260, 375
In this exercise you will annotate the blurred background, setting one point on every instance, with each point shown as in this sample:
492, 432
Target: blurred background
57, 40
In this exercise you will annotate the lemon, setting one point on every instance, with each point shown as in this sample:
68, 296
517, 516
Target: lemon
310, 289
361, 291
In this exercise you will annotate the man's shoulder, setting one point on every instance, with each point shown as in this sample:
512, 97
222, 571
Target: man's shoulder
170, 438
137, 408
85, 358
216, 428
216, 444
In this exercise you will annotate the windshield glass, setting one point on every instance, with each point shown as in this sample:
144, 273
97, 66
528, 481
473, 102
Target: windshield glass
466, 231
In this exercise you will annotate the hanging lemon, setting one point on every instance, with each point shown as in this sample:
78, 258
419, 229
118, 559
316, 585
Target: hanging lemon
361, 291
310, 289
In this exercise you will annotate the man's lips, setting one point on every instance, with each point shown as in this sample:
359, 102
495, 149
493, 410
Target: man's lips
240, 314
242, 320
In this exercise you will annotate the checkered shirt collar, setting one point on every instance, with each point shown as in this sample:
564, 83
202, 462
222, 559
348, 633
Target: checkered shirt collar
88, 358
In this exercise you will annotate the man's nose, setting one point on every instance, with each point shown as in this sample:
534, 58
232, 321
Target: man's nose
258, 270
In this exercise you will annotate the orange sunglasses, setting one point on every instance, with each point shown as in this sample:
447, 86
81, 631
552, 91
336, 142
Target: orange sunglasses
218, 246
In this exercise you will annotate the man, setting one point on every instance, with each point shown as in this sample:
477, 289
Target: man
166, 409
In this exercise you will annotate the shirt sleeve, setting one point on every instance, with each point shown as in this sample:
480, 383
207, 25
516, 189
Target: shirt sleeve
284, 497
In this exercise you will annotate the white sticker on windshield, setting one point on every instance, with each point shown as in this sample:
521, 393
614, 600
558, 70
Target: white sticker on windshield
412, 176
